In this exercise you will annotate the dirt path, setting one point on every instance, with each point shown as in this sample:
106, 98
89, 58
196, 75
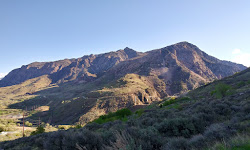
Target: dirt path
11, 116
26, 128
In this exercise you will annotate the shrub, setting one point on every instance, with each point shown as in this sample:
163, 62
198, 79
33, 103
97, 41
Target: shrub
197, 141
221, 90
123, 112
118, 115
179, 143
239, 142
73, 139
216, 132
123, 141
168, 102
39, 130
92, 126
139, 112
177, 127
184, 99
78, 126
241, 83
1, 128
27, 123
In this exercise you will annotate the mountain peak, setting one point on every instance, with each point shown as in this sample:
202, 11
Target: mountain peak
130, 52
184, 43
128, 49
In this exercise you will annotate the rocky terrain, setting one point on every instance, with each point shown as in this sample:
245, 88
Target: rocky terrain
80, 90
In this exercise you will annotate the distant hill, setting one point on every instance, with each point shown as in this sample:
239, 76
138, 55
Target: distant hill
80, 90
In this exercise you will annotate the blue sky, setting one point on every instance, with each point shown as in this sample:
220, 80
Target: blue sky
48, 30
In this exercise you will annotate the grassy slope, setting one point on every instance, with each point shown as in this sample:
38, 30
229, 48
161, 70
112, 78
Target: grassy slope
23, 91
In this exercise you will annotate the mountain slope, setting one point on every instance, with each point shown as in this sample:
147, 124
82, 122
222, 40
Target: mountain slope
80, 90
84, 68
204, 119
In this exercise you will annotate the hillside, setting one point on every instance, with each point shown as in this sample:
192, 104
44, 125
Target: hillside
85, 68
80, 90
214, 116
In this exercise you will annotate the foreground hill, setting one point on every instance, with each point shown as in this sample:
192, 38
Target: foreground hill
214, 116
80, 90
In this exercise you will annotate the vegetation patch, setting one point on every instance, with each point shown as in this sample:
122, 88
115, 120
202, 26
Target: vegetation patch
139, 112
239, 142
27, 123
222, 90
112, 116
39, 130
174, 100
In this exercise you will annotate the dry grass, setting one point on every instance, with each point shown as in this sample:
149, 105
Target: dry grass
23, 91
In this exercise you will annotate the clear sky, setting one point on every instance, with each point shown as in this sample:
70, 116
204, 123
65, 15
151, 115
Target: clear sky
47, 30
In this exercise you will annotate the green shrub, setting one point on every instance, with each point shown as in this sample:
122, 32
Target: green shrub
176, 106
221, 90
118, 115
139, 112
27, 123
242, 83
123, 112
39, 130
168, 102
184, 99
78, 126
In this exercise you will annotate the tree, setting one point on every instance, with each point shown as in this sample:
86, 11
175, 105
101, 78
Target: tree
39, 130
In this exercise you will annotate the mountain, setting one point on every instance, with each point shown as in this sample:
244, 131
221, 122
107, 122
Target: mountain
85, 68
213, 116
80, 90
181, 58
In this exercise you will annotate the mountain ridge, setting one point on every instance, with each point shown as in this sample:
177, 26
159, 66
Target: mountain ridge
75, 68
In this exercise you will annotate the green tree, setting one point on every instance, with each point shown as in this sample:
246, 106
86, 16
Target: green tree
39, 130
